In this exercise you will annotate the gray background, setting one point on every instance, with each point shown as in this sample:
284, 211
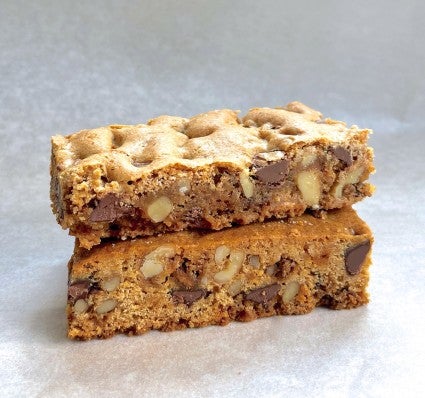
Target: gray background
65, 66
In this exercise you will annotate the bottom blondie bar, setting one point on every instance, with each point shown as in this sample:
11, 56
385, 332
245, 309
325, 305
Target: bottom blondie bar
192, 279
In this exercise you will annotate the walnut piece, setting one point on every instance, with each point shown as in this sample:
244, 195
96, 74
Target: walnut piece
159, 209
246, 184
308, 160
352, 177
235, 287
221, 254
254, 261
106, 306
309, 184
233, 265
153, 264
109, 285
80, 306
291, 290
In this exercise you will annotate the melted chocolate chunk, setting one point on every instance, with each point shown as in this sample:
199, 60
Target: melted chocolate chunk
343, 155
109, 209
187, 274
285, 266
263, 294
79, 290
355, 256
187, 297
270, 172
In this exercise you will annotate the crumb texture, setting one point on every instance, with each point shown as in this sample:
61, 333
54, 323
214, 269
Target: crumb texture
211, 171
189, 279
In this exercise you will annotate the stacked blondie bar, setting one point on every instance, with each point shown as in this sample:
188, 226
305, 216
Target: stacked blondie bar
192, 222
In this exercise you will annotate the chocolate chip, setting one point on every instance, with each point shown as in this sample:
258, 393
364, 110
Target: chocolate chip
343, 155
263, 294
109, 209
187, 297
270, 170
186, 274
354, 257
285, 266
79, 290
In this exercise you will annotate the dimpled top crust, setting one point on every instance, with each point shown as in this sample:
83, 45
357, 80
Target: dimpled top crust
134, 151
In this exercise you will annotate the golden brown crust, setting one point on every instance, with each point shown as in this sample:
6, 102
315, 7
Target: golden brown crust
209, 165
190, 279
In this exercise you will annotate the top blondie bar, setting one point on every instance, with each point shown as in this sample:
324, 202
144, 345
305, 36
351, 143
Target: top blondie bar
210, 171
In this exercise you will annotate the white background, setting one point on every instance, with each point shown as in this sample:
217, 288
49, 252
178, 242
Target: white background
69, 65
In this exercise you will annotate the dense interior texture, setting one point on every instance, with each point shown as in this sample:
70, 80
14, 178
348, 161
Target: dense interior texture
211, 172
191, 279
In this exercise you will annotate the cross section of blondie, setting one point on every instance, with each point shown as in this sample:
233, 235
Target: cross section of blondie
190, 279
211, 171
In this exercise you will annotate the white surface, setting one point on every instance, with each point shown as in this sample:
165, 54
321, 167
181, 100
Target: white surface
66, 66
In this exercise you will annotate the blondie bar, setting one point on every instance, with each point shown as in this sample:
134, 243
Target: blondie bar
192, 279
211, 171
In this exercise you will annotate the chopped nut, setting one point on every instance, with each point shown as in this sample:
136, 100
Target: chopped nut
106, 306
254, 261
204, 281
159, 209
110, 284
246, 184
153, 263
308, 160
271, 270
80, 306
352, 177
151, 267
236, 259
224, 276
221, 254
184, 187
235, 287
309, 185
291, 290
